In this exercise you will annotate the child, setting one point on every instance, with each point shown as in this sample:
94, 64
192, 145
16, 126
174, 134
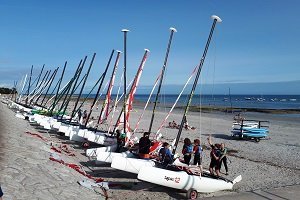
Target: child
187, 150
215, 158
198, 154
165, 155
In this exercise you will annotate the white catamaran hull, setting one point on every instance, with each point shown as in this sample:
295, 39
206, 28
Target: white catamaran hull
182, 180
96, 151
132, 165
107, 157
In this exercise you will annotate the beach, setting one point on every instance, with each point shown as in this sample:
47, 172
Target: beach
26, 172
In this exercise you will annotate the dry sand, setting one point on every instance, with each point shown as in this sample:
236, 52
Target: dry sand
27, 173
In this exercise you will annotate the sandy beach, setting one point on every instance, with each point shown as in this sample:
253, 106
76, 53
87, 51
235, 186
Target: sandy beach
26, 172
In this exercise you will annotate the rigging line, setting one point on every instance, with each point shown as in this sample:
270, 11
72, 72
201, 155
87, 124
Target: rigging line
59, 92
60, 81
119, 99
99, 88
213, 104
146, 105
173, 30
74, 86
81, 90
88, 95
215, 20
166, 118
100, 95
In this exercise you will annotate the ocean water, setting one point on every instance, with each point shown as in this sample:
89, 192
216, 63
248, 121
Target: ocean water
235, 101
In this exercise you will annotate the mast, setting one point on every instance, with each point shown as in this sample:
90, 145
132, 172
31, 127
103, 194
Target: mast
50, 83
215, 20
132, 91
87, 74
38, 80
43, 85
46, 84
40, 75
99, 88
75, 78
59, 84
29, 85
125, 57
162, 76
25, 78
37, 89
105, 106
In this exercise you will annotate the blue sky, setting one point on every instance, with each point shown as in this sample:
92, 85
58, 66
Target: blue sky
258, 40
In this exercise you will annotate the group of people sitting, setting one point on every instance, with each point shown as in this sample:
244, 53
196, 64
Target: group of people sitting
186, 126
217, 154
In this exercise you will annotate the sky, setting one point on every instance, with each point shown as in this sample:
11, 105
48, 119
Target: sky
257, 41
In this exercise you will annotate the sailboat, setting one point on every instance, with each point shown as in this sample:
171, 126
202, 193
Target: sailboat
179, 179
106, 156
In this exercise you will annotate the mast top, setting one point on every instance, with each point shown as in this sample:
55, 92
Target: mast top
147, 50
215, 17
118, 51
173, 29
124, 30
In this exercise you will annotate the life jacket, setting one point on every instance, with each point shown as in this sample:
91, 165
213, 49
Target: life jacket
188, 149
199, 150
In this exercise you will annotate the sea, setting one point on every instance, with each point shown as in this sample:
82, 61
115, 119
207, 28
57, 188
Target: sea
291, 102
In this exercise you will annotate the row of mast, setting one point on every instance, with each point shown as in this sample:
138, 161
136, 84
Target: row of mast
64, 94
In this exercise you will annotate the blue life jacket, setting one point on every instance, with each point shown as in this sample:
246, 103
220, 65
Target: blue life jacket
199, 150
189, 149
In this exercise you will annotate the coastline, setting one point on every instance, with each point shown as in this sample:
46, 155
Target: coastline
271, 163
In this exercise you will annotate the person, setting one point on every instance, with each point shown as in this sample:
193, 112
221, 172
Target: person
174, 124
187, 150
1, 193
79, 114
185, 122
238, 118
223, 158
215, 157
197, 150
84, 116
144, 146
165, 155
120, 140
91, 123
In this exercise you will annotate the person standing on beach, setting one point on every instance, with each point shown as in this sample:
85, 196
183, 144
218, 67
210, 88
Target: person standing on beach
215, 158
84, 116
223, 158
144, 146
187, 150
79, 115
197, 150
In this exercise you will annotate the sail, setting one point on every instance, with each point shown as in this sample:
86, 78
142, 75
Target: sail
146, 105
105, 107
132, 91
